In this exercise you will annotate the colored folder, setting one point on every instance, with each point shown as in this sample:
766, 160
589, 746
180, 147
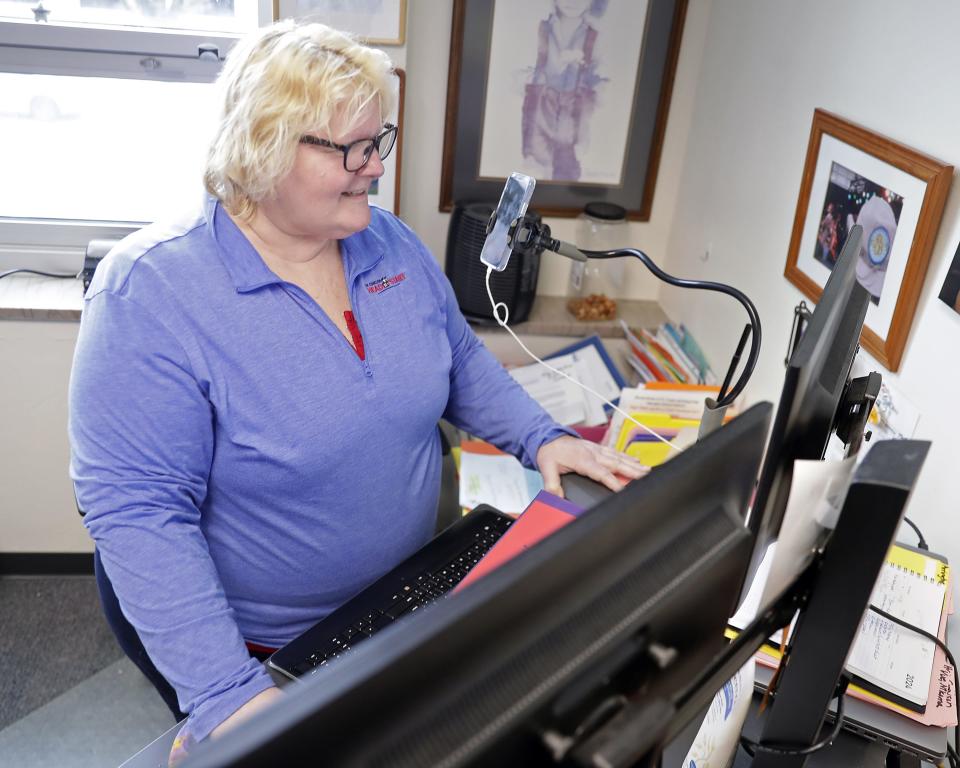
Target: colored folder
547, 513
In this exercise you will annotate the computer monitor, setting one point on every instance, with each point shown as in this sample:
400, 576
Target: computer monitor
617, 612
817, 374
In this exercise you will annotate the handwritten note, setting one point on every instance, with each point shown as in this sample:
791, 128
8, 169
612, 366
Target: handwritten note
892, 657
941, 699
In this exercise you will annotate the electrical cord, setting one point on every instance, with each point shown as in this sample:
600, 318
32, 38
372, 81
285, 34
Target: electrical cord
953, 757
35, 272
703, 285
501, 307
921, 542
528, 234
752, 747
942, 646
953, 750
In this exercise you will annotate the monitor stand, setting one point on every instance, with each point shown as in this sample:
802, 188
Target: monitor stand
854, 409
843, 580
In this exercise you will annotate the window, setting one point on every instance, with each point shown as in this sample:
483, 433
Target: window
230, 16
105, 113
98, 149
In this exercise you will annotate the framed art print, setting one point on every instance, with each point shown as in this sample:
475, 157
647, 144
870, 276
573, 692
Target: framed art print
577, 99
897, 194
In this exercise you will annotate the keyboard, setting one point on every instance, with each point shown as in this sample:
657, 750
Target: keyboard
426, 576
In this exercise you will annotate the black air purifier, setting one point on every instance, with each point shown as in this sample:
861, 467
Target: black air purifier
516, 286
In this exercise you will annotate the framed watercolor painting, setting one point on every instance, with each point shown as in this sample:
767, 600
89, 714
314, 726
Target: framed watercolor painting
577, 99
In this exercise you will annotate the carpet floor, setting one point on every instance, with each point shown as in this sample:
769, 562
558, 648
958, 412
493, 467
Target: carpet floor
52, 637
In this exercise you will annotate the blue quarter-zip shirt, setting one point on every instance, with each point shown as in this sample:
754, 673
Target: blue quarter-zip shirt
243, 472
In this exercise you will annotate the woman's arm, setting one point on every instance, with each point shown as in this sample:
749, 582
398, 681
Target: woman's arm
141, 433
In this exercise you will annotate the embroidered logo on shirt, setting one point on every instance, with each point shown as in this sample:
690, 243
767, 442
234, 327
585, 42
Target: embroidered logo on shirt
382, 284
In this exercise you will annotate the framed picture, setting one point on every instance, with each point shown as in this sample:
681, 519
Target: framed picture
854, 176
385, 191
378, 22
586, 118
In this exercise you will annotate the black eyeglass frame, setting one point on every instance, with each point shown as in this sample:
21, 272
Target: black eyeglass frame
388, 128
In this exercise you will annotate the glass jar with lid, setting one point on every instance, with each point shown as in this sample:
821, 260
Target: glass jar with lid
601, 227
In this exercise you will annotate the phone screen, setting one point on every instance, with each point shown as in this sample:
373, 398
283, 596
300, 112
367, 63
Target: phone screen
513, 204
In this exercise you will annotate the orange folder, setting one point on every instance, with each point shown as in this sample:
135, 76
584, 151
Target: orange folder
547, 513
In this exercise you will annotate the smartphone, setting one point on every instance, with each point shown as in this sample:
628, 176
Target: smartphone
513, 204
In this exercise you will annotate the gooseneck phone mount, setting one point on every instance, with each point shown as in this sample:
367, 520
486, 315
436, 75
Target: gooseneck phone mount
527, 234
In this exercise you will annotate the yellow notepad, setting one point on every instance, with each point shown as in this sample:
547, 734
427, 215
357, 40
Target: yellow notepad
639, 443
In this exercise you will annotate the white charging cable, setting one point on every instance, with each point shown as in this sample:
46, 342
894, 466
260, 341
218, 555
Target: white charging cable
502, 322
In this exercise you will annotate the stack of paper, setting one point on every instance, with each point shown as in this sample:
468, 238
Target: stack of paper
681, 401
490, 476
668, 354
586, 362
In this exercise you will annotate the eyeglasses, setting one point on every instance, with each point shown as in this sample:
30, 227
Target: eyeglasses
357, 154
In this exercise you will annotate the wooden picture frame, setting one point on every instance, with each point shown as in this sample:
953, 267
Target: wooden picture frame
642, 102
853, 175
387, 26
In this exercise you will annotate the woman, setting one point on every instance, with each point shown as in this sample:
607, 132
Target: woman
256, 388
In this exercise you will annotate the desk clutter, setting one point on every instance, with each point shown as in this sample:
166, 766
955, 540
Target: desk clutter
890, 666
670, 408
668, 353
490, 476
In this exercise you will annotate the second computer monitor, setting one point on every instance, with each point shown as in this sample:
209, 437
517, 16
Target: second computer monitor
814, 384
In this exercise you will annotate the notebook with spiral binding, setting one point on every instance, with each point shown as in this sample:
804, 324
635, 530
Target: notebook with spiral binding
891, 660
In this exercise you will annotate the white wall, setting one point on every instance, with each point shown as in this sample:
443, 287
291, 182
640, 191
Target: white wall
766, 66
37, 508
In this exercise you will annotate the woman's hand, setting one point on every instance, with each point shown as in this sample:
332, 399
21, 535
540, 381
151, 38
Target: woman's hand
184, 742
571, 454
260, 701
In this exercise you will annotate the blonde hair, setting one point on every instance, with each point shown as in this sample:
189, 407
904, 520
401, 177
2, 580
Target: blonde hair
277, 84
